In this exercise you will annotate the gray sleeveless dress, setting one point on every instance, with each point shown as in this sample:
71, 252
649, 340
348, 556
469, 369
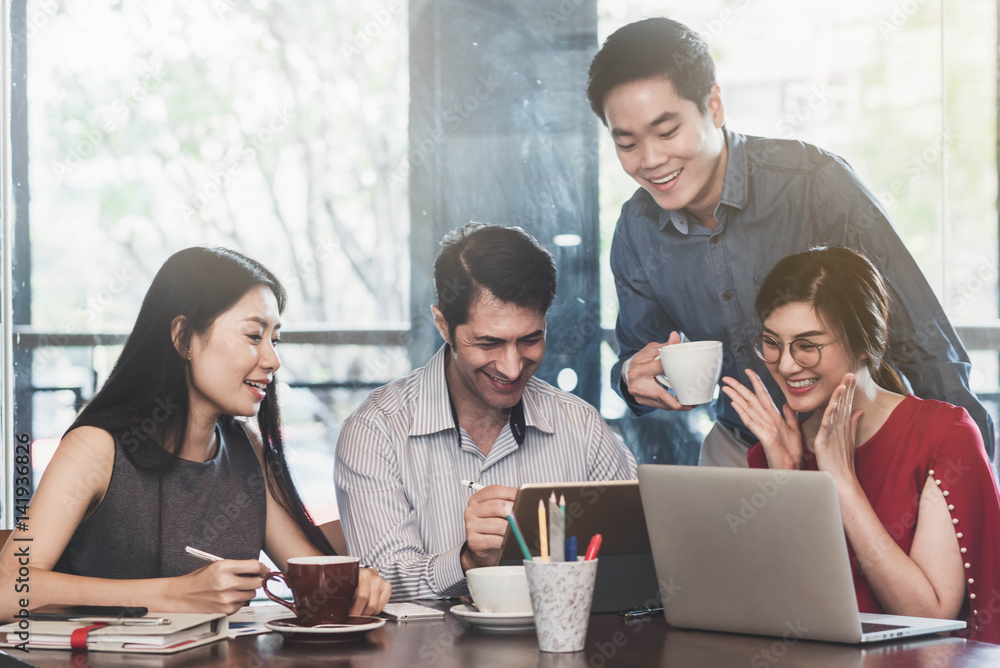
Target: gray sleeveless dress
147, 518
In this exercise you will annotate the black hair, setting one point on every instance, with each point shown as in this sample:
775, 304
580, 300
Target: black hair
656, 47
848, 292
199, 284
504, 261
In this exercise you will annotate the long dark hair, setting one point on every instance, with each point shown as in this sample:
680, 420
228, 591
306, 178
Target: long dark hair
847, 291
144, 403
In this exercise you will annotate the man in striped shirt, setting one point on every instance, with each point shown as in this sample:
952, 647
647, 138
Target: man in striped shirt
475, 412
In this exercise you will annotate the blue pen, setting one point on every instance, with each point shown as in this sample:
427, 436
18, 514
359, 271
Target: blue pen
571, 548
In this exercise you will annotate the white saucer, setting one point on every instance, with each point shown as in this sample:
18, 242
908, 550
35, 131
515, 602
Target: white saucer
355, 628
494, 621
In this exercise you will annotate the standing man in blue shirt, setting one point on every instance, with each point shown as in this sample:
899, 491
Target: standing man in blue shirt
715, 211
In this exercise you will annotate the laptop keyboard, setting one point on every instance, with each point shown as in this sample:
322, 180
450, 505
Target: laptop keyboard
872, 627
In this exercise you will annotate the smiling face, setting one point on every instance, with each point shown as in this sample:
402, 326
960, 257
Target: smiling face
232, 363
493, 354
667, 145
807, 389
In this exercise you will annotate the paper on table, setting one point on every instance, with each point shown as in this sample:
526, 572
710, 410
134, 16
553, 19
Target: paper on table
556, 531
251, 620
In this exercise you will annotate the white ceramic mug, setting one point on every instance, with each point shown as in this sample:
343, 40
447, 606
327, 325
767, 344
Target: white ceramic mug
499, 589
692, 370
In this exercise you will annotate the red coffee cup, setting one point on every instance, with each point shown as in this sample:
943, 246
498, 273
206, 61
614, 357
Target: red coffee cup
323, 588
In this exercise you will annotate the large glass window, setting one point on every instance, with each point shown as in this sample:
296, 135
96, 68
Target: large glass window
267, 127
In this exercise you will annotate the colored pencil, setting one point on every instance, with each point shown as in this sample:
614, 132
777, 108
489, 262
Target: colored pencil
543, 531
520, 538
556, 531
562, 508
595, 545
571, 549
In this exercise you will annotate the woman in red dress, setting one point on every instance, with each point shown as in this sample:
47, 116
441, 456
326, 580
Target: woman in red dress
918, 496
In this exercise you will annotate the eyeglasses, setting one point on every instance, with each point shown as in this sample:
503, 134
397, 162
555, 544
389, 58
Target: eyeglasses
805, 352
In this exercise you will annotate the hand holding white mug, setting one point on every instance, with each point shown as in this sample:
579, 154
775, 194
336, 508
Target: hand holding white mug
640, 377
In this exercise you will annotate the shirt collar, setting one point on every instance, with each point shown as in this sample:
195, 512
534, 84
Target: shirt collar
516, 419
534, 409
734, 184
433, 405
434, 401
735, 187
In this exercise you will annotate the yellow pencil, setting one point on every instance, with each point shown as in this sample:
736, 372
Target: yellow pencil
543, 530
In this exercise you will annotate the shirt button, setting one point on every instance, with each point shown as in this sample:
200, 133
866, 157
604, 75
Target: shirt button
726, 296
715, 239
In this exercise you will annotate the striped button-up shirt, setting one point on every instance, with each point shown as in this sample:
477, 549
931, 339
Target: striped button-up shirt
399, 465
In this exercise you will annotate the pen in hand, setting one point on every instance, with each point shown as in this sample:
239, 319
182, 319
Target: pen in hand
208, 556
474, 486
201, 554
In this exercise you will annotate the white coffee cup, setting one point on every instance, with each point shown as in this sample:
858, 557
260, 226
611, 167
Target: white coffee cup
692, 370
500, 589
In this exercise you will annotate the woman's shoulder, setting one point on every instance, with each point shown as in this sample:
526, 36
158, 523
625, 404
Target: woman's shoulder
87, 444
941, 425
84, 461
933, 412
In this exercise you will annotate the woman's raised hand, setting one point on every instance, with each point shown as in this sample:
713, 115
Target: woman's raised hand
220, 587
835, 441
779, 434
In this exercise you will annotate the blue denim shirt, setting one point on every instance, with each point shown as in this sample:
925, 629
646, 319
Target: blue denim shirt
779, 197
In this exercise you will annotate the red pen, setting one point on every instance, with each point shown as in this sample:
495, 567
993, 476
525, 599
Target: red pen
595, 545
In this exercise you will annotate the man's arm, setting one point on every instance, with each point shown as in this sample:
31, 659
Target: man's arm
378, 521
923, 345
607, 458
641, 320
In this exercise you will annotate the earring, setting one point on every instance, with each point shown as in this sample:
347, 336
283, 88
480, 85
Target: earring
188, 356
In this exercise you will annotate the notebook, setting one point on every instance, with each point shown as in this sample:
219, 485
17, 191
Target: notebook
185, 630
626, 577
760, 552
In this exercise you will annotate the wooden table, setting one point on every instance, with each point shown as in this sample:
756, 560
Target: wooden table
611, 641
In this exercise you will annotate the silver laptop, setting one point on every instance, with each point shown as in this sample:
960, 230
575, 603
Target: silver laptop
760, 552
